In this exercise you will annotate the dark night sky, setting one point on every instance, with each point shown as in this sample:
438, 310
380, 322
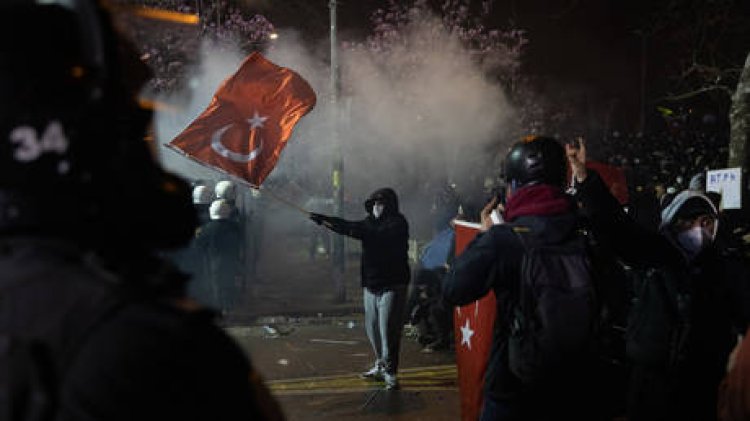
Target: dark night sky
587, 46
564, 39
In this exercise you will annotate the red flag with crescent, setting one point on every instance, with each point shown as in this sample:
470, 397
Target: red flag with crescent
249, 120
473, 327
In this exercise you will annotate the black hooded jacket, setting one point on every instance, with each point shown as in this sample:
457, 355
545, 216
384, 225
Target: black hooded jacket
385, 241
108, 346
492, 261
719, 286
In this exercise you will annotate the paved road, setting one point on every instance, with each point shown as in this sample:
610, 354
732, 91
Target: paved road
313, 365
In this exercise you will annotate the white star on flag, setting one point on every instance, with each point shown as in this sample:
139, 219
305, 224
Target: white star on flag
257, 120
466, 334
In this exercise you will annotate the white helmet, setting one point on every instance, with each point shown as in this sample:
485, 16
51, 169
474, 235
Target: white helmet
225, 189
219, 209
201, 195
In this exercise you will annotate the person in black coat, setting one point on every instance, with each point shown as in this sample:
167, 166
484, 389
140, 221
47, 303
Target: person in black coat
683, 385
218, 243
538, 207
95, 325
385, 276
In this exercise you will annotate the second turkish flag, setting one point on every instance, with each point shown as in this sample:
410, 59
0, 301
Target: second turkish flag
473, 324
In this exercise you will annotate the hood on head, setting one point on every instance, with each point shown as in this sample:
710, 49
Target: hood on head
387, 196
690, 201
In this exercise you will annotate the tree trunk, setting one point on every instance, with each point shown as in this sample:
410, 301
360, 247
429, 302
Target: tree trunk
739, 119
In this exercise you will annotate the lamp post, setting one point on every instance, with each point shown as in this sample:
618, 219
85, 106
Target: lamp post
643, 68
338, 255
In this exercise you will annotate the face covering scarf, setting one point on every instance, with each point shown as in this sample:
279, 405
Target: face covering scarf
694, 240
377, 210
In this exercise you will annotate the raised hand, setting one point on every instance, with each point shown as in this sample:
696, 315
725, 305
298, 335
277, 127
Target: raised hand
487, 210
576, 154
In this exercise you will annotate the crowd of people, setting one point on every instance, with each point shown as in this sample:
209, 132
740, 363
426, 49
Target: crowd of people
685, 297
96, 324
668, 157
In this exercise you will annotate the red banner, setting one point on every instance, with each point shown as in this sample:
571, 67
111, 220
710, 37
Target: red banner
249, 120
614, 178
473, 325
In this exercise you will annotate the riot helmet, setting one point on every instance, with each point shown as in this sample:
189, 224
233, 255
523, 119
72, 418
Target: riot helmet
220, 209
226, 190
73, 159
202, 195
535, 160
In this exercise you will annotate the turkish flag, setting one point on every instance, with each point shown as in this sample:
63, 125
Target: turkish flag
473, 327
249, 120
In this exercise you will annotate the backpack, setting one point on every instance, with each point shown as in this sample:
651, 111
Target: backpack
659, 319
554, 322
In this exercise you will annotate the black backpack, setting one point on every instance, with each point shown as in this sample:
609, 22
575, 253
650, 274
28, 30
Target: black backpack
659, 320
554, 324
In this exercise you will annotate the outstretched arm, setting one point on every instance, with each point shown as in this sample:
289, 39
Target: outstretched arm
354, 229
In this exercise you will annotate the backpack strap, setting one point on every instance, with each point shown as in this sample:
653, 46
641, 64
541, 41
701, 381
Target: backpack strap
520, 231
520, 313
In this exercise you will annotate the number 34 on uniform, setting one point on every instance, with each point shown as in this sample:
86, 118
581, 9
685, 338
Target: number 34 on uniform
31, 147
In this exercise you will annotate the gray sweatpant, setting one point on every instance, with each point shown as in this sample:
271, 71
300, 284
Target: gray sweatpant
384, 316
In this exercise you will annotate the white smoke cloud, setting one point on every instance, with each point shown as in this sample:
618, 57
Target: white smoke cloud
414, 117
216, 64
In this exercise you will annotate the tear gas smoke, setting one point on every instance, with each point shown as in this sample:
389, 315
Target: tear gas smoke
216, 64
413, 117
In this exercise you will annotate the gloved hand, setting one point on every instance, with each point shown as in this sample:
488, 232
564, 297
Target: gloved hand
317, 218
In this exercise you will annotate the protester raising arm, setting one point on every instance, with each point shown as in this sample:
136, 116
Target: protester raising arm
612, 226
471, 276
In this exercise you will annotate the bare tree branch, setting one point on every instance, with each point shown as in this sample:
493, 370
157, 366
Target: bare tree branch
711, 88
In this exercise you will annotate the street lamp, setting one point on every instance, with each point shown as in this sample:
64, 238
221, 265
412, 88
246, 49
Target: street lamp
338, 261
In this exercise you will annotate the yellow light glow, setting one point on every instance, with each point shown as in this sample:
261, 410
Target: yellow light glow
77, 72
167, 15
154, 105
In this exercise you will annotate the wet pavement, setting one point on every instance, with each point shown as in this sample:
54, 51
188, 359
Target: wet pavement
312, 366
311, 348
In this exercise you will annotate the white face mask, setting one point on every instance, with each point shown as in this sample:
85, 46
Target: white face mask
694, 240
377, 210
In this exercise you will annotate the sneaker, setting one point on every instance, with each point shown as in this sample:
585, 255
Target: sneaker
375, 373
391, 382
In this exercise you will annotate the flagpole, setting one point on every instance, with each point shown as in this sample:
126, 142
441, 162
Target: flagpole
338, 260
264, 190
271, 194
